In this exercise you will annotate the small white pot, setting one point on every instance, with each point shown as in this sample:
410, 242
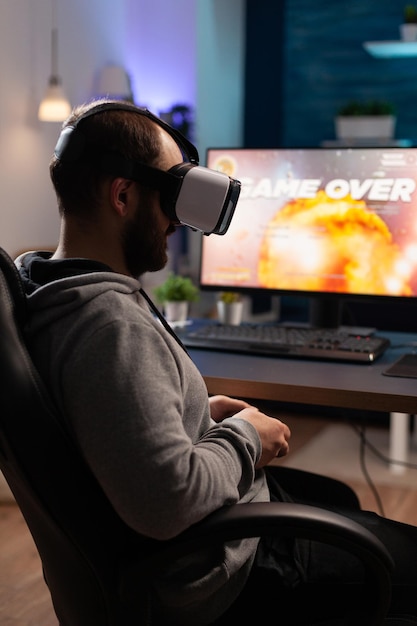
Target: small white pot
230, 312
408, 32
176, 311
365, 127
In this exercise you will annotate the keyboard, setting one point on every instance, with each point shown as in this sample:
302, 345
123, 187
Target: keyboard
335, 344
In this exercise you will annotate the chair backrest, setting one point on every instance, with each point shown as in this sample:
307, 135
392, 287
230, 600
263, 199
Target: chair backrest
82, 543
88, 554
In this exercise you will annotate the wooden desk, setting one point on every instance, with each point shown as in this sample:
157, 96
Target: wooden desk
321, 383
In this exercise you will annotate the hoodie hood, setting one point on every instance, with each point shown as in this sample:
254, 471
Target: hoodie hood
38, 268
57, 288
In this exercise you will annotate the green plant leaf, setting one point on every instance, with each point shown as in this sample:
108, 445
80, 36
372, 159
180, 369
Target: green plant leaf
370, 107
176, 288
229, 296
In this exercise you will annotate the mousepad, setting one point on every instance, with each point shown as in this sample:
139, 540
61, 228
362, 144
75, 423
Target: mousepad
405, 367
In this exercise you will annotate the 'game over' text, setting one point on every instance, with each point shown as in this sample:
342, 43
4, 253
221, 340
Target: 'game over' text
375, 189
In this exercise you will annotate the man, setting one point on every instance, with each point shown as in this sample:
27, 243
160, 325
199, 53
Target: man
164, 453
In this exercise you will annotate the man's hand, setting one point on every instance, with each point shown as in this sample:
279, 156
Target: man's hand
273, 433
223, 406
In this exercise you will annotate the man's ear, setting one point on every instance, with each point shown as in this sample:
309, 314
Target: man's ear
120, 192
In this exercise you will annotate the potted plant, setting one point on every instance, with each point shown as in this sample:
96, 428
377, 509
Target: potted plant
175, 294
230, 307
408, 28
365, 120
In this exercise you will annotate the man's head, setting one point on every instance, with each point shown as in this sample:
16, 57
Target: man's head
192, 195
91, 133
106, 215
110, 152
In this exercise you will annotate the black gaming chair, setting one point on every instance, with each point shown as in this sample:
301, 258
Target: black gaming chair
96, 567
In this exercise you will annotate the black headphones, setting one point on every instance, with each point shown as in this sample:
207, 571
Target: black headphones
192, 195
71, 145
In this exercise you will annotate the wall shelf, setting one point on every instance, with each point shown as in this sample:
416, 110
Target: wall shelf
391, 49
366, 143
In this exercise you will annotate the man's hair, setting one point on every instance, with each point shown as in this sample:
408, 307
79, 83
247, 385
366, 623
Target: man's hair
77, 183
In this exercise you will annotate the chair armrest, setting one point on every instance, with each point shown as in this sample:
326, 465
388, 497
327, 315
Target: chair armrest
270, 518
291, 520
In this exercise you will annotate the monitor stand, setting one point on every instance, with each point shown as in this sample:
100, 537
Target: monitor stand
325, 312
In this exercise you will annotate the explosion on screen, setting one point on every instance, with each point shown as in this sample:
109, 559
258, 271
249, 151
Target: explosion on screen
322, 244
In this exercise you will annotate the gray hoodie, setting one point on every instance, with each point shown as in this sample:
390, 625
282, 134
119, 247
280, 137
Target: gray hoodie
138, 409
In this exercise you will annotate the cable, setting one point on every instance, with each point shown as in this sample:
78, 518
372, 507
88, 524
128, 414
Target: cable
162, 319
365, 443
362, 449
384, 458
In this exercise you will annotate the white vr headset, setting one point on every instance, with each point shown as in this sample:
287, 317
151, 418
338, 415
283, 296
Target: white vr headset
192, 195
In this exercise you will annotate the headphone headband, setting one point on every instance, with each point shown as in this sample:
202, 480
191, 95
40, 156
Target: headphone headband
71, 145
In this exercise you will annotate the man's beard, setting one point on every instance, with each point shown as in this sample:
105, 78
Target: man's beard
144, 244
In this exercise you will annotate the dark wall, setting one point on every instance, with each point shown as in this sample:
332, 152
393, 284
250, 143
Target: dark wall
305, 59
264, 63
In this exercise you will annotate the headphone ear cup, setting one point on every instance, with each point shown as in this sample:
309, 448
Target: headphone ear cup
70, 145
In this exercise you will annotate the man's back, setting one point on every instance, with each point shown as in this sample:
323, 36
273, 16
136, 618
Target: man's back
138, 409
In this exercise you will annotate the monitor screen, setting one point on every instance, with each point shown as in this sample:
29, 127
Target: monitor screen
337, 222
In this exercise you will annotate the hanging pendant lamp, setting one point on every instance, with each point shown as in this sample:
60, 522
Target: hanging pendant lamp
55, 106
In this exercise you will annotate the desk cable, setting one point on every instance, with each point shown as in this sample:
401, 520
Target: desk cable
365, 443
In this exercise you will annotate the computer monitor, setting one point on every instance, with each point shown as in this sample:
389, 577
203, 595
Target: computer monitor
331, 224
